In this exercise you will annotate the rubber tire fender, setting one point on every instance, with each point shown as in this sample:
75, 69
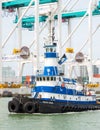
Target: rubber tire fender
63, 109
13, 106
29, 107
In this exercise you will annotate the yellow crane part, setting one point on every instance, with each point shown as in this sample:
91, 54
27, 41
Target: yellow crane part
10, 86
69, 50
15, 51
93, 85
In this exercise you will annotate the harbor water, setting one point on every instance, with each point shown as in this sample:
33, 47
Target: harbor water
89, 120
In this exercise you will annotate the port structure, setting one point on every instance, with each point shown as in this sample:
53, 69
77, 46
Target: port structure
29, 21
24, 3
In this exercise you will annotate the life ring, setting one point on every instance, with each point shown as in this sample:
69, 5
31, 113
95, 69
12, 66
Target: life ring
29, 107
13, 106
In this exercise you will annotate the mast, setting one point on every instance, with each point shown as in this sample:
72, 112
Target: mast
1, 41
37, 31
92, 5
59, 26
51, 29
19, 41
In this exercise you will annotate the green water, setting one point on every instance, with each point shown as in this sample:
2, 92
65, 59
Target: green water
69, 121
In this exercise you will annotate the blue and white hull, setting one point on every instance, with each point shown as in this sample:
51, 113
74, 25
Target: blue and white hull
58, 99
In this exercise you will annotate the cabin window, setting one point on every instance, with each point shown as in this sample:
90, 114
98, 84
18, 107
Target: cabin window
43, 78
40, 78
47, 78
51, 78
54, 78
37, 78
51, 50
59, 78
47, 49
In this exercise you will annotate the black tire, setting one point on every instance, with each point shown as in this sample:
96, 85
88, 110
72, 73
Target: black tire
13, 106
15, 99
29, 107
63, 109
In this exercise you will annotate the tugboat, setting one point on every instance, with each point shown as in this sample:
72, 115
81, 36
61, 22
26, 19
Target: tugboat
53, 93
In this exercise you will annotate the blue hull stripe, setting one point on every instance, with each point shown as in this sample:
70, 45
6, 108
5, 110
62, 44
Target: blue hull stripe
57, 90
50, 55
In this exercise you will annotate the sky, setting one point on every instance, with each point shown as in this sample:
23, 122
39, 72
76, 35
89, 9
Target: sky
77, 39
